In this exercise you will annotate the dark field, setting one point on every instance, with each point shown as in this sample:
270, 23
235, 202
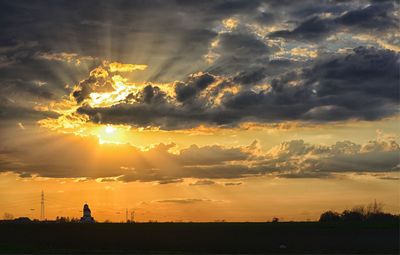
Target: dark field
310, 237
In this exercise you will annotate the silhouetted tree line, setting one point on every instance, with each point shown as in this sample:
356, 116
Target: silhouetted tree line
370, 213
66, 219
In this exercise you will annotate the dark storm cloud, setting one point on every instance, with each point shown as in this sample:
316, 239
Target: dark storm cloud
360, 85
377, 17
310, 29
312, 8
239, 51
145, 115
250, 76
369, 71
92, 84
265, 18
153, 94
245, 56
58, 42
194, 86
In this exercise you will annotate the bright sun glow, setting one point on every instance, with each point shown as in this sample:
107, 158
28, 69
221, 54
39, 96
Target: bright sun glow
110, 130
110, 134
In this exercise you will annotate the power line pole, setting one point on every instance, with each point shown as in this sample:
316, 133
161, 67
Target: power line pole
132, 216
42, 206
126, 215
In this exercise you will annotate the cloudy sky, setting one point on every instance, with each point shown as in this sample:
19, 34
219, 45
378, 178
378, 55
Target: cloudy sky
199, 110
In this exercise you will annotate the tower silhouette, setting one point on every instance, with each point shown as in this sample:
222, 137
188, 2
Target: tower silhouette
132, 216
87, 215
42, 207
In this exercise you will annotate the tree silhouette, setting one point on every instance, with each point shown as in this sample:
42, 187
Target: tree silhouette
371, 212
329, 216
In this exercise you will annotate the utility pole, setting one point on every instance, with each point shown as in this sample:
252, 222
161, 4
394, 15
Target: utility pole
126, 215
132, 216
42, 207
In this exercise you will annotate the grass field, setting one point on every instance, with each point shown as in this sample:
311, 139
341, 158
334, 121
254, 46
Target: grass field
290, 237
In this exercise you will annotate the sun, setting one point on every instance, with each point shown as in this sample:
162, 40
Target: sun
110, 130
111, 134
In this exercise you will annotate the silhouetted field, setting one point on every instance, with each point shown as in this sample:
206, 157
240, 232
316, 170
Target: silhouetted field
290, 237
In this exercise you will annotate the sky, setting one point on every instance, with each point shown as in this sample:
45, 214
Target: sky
183, 110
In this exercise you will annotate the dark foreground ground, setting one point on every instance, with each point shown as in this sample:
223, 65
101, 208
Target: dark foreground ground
200, 238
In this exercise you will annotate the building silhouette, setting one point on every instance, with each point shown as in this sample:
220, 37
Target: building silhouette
87, 217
